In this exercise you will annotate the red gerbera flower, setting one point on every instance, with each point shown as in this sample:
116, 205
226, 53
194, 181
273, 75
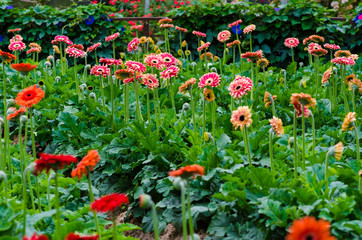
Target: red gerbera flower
7, 57
55, 162
74, 236
15, 112
23, 68
308, 228
29, 96
188, 171
109, 202
36, 237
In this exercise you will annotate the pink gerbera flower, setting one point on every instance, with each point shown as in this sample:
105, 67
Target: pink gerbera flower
318, 52
93, 47
181, 29
137, 27
291, 42
16, 38
14, 30
313, 46
150, 80
343, 61
74, 52
204, 46
199, 34
252, 56
62, 38
135, 66
112, 37
235, 23
167, 25
171, 71
133, 45
154, 60
111, 61
33, 50
224, 36
209, 79
167, 59
17, 46
240, 86
249, 29
332, 46
102, 70
298, 109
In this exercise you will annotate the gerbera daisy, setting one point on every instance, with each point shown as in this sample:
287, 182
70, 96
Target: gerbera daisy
188, 171
14, 30
29, 96
203, 46
56, 49
263, 62
241, 117
349, 78
313, 46
277, 125
102, 70
240, 86
343, 61
150, 80
181, 29
267, 99
355, 84
36, 237
209, 79
314, 38
143, 39
7, 57
233, 43
23, 68
208, 94
77, 46
299, 111
353, 57
165, 20
154, 60
111, 61
342, 53
133, 45
74, 236
208, 55
224, 36
249, 29
252, 56
135, 66
110, 202
122, 74
16, 38
187, 86
112, 37
332, 46
62, 38
17, 46
291, 42
75, 52
86, 164
170, 72
167, 25
304, 99
93, 47
15, 112
319, 52
235, 23
348, 121
137, 27
308, 228
55, 162
337, 151
33, 50
327, 75
167, 59
199, 34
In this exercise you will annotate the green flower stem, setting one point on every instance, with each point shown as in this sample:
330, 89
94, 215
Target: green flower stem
310, 58
155, 222
183, 208
213, 111
54, 67
326, 169
317, 74
76, 77
61, 58
237, 38
353, 101
246, 143
264, 79
251, 43
156, 109
191, 227
95, 56
6, 190
148, 106
57, 206
357, 143
181, 45
252, 79
234, 61
204, 117
112, 101
114, 229
37, 192
32, 133
2, 163
359, 184
24, 202
292, 54
5, 120
48, 192
138, 109
273, 106
91, 197
303, 137
346, 107
231, 103
193, 110
271, 135
295, 144
334, 88
114, 49
313, 130
126, 107
172, 97
102, 92
199, 43
166, 41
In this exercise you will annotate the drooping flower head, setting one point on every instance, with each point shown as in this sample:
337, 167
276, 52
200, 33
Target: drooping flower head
223, 36
36, 237
304, 99
348, 122
74, 236
16, 38
188, 171
263, 62
233, 43
64, 39
332, 46
343, 61
181, 29
33, 50
75, 52
337, 151
313, 38
171, 71
199, 34
150, 80
291, 42
240, 86
93, 47
122, 74
14, 30
209, 79
299, 110
135, 66
29, 96
15, 112
165, 20
154, 60
23, 68
167, 59
109, 202
268, 99
203, 46
56, 49
86, 164
111, 61
327, 75
207, 55
55, 162
187, 86
241, 117
318, 52
17, 46
249, 29
308, 228
133, 45
7, 57
112, 37
235, 23
208, 94
100, 70
355, 84
342, 53
277, 125
253, 56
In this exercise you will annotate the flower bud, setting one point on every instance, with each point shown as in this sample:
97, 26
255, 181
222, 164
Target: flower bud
92, 95
360, 174
2, 176
146, 201
196, 236
41, 83
10, 102
10, 111
23, 118
270, 71
193, 64
301, 64
31, 168
291, 141
185, 106
213, 69
88, 66
50, 58
83, 86
58, 61
47, 64
208, 137
57, 79
178, 183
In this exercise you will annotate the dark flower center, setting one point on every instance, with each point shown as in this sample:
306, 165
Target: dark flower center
242, 118
167, 59
150, 81
208, 81
154, 61
309, 237
238, 88
29, 95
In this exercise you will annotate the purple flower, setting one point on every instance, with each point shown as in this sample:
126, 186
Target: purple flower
59, 24
358, 17
9, 7
1, 38
89, 20
277, 9
236, 29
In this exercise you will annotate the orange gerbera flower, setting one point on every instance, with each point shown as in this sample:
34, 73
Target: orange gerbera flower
23, 68
305, 99
188, 171
7, 57
241, 117
187, 86
15, 112
29, 96
86, 164
309, 228
342, 53
267, 99
277, 125
337, 151
348, 121
122, 74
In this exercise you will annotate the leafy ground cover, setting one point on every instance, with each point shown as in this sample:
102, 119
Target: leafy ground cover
247, 149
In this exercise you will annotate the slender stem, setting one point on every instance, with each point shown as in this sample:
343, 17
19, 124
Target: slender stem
76, 77
357, 143
346, 107
193, 110
148, 106
326, 169
112, 101
114, 229
271, 149
273, 106
155, 222
57, 206
204, 117
183, 208
91, 197
246, 143
127, 103
21, 153
24, 202
95, 56
295, 144
156, 109
251, 43
32, 133
303, 137
252, 79
172, 97
191, 227
292, 55
264, 79
48, 192
234, 61
313, 130
213, 112
353, 101
102, 92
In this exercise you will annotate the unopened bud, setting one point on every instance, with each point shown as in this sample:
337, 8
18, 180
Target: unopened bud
47, 64
2, 176
178, 183
186, 106
57, 78
10, 102
23, 118
146, 201
92, 95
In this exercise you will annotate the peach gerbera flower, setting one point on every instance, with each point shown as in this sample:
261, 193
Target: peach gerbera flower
241, 117
348, 122
277, 125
